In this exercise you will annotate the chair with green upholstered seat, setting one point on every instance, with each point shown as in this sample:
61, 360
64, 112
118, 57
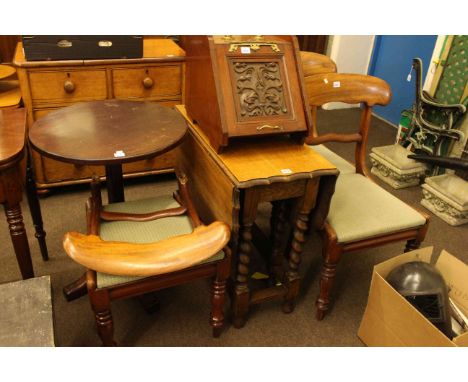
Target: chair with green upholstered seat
133, 248
362, 214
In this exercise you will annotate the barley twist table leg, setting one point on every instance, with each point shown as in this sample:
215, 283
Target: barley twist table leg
305, 205
278, 225
241, 291
295, 253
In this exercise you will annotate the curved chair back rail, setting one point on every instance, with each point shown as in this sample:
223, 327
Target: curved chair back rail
347, 88
132, 259
351, 89
316, 63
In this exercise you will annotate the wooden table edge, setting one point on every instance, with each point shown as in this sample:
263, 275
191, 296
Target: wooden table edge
252, 182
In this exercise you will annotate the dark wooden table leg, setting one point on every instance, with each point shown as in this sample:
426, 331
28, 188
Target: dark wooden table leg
241, 298
305, 205
35, 209
19, 239
114, 183
278, 219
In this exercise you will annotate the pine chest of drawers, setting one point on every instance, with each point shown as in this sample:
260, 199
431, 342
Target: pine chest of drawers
49, 85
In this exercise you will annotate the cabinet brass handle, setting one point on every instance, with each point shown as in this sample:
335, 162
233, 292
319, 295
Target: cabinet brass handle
69, 86
253, 45
276, 127
148, 82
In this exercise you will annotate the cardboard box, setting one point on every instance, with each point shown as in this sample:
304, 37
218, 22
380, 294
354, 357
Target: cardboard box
390, 320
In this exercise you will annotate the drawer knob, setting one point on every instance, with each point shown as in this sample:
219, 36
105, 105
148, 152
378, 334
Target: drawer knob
148, 82
69, 86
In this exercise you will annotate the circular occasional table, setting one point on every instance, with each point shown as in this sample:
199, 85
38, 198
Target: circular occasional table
108, 133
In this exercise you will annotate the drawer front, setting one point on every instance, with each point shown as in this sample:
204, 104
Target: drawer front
153, 82
166, 161
49, 170
53, 171
67, 86
38, 113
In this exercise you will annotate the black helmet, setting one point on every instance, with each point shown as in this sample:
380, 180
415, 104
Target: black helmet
425, 288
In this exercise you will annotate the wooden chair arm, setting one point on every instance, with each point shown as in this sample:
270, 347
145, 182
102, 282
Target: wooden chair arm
347, 88
131, 259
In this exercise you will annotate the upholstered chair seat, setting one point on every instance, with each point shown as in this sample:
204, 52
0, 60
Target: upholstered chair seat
361, 209
138, 247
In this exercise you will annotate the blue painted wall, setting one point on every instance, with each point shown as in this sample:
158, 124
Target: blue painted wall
391, 61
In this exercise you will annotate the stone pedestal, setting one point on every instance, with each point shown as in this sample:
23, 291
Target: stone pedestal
447, 197
26, 317
390, 164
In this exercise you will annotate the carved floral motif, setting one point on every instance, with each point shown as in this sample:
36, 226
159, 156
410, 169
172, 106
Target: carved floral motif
443, 207
260, 89
444, 210
393, 178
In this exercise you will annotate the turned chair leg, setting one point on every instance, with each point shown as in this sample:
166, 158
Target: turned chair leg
100, 303
331, 255
218, 296
217, 306
415, 243
412, 244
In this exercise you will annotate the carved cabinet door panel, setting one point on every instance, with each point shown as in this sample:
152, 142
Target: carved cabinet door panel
261, 90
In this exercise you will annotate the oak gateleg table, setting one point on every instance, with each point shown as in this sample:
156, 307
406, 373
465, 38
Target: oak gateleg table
230, 186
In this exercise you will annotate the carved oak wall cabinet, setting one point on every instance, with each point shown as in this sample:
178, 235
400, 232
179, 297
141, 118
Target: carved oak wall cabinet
239, 86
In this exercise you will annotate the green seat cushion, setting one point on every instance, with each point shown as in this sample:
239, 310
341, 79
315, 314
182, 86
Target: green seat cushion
360, 209
143, 232
341, 164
